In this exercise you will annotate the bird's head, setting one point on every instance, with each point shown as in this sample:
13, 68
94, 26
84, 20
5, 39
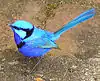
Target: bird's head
23, 28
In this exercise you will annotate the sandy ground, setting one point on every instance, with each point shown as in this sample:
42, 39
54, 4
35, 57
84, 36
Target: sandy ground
79, 57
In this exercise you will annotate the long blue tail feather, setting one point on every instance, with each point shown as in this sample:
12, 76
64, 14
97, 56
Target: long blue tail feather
90, 11
81, 18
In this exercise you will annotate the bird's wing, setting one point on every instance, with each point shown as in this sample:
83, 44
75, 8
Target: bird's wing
44, 42
48, 44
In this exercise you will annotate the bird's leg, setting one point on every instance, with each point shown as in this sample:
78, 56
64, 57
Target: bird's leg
37, 64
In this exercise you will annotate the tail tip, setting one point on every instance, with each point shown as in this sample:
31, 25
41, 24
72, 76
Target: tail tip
93, 10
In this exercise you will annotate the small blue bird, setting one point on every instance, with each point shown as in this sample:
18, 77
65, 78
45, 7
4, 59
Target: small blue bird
35, 42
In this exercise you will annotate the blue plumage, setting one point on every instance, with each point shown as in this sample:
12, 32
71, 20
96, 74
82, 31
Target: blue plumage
35, 42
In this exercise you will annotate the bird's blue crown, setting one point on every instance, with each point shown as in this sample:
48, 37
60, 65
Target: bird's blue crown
22, 24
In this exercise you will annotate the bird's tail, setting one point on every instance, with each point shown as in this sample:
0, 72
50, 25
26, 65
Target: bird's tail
81, 18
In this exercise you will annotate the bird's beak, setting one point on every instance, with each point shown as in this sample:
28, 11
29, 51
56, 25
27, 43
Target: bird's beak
10, 25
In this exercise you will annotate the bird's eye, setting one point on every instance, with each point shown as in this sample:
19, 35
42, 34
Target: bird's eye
25, 29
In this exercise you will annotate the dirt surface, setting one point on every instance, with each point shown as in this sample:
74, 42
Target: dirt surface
79, 56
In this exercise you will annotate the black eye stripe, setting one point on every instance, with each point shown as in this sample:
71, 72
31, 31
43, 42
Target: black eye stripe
15, 27
28, 31
20, 28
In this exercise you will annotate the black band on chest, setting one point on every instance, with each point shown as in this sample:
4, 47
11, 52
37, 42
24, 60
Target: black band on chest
21, 44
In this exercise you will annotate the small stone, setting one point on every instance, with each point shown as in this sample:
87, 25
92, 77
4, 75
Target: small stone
13, 63
1, 67
74, 67
3, 59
